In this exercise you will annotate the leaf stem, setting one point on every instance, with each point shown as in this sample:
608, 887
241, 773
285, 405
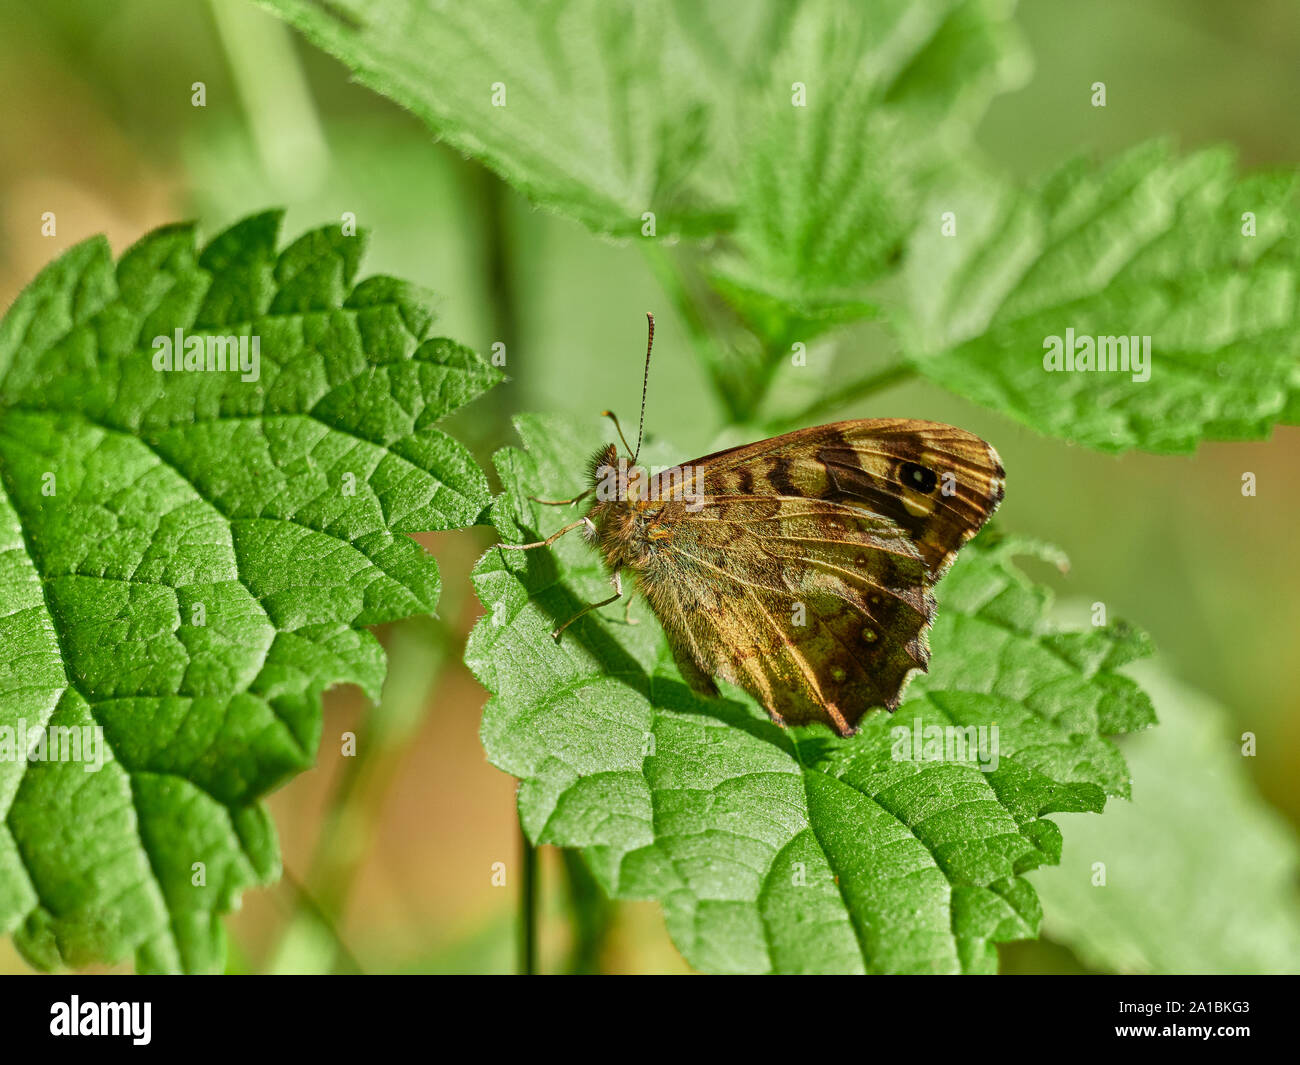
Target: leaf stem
527, 905
280, 113
672, 280
500, 278
308, 907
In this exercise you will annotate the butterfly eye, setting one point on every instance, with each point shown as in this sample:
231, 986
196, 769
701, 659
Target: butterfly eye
919, 477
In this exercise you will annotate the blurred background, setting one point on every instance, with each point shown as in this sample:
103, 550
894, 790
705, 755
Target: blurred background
389, 863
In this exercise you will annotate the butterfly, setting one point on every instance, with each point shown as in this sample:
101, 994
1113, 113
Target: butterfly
801, 567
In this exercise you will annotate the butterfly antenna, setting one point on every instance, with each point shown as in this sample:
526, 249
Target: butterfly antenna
645, 383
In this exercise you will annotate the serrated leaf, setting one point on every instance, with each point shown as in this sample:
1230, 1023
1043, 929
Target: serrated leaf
606, 111
1151, 245
856, 105
792, 851
188, 559
1199, 874
588, 107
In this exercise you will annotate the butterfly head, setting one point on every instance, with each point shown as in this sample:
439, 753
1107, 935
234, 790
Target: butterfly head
616, 479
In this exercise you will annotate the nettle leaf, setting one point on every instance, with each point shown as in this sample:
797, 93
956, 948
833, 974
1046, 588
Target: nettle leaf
606, 111
188, 559
589, 108
1152, 245
857, 103
793, 851
1199, 873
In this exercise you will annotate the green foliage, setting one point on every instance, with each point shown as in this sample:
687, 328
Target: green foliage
187, 560
1150, 245
793, 851
822, 141
828, 187
796, 160
1200, 873
803, 133
590, 108
845, 115
605, 111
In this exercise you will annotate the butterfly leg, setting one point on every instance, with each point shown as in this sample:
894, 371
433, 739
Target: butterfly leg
628, 619
550, 539
561, 502
618, 592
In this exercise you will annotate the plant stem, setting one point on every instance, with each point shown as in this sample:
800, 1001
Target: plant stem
527, 905
500, 274
670, 277
889, 376
499, 277
593, 915
310, 942
276, 99
309, 908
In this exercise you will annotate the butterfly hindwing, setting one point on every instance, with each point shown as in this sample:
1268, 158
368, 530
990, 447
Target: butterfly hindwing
817, 609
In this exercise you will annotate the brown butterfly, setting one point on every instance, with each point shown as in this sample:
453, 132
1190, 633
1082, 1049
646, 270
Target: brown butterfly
799, 567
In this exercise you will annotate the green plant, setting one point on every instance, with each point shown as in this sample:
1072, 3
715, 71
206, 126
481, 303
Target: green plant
190, 559
788, 171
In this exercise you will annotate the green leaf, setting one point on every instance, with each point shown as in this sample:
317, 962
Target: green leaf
792, 851
1200, 874
589, 108
1150, 245
606, 111
188, 559
832, 185
793, 142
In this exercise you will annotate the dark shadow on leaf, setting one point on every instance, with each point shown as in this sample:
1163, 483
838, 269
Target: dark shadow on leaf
675, 694
818, 750
541, 577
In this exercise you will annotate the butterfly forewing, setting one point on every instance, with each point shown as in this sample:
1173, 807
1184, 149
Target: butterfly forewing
938, 483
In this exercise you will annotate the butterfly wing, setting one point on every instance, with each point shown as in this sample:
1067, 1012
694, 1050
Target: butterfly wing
936, 482
817, 609
800, 567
